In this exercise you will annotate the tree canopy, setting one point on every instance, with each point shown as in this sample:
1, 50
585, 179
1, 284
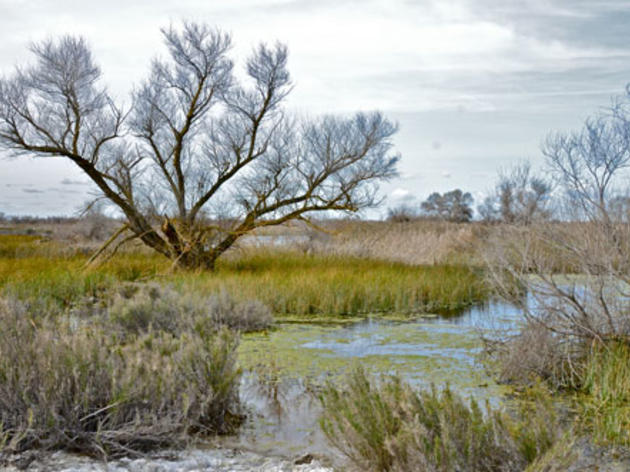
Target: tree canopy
453, 206
200, 158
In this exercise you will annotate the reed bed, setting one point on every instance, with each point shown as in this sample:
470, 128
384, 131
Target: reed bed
417, 242
288, 281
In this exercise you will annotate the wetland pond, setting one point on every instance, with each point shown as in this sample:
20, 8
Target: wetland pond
282, 369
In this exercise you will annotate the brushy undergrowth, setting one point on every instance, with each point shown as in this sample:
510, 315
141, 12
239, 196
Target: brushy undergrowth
288, 282
140, 307
594, 377
392, 427
113, 385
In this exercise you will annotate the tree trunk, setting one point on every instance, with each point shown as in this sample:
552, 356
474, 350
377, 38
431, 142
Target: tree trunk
197, 258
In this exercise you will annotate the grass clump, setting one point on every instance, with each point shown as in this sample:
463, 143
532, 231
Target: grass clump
604, 403
297, 284
141, 307
392, 427
591, 375
80, 385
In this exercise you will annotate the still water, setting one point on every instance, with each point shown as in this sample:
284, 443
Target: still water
284, 368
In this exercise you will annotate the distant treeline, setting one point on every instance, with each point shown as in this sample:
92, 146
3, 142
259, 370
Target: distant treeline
31, 219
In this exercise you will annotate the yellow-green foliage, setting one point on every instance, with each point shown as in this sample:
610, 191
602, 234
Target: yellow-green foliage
292, 283
287, 281
605, 403
391, 427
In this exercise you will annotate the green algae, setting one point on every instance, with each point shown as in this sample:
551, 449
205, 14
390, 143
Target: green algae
331, 319
423, 352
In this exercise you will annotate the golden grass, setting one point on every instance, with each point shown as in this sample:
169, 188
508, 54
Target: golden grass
414, 242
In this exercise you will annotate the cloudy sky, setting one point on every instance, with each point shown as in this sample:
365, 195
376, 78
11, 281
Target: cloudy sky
474, 84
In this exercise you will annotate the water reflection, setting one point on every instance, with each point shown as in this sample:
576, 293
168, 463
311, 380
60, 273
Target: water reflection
424, 351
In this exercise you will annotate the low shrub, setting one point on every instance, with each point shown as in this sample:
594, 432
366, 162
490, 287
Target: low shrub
535, 353
77, 384
243, 316
392, 427
593, 376
140, 307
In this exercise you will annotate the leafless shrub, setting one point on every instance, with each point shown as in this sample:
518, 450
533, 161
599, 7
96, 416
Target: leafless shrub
576, 270
534, 354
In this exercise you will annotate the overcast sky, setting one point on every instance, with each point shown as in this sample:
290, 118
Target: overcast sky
474, 84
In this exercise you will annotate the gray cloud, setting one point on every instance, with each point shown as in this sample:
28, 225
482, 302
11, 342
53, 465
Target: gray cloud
486, 79
65, 191
402, 195
67, 181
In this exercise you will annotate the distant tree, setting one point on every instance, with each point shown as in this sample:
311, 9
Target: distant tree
453, 206
488, 210
199, 159
401, 214
520, 197
619, 209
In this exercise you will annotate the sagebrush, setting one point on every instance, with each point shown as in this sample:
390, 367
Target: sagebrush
82, 384
392, 427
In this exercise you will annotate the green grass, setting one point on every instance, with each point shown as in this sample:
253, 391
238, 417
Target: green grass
604, 405
389, 426
288, 282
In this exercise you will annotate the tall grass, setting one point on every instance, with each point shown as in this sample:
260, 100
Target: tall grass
605, 401
288, 282
418, 242
391, 427
293, 283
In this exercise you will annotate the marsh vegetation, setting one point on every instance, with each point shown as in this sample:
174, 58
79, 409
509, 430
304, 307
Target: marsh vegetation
142, 330
137, 337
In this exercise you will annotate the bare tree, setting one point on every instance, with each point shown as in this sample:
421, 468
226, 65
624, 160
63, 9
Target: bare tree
590, 163
401, 214
488, 210
199, 159
520, 197
576, 270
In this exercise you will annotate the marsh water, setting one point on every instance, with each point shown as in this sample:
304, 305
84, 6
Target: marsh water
284, 368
